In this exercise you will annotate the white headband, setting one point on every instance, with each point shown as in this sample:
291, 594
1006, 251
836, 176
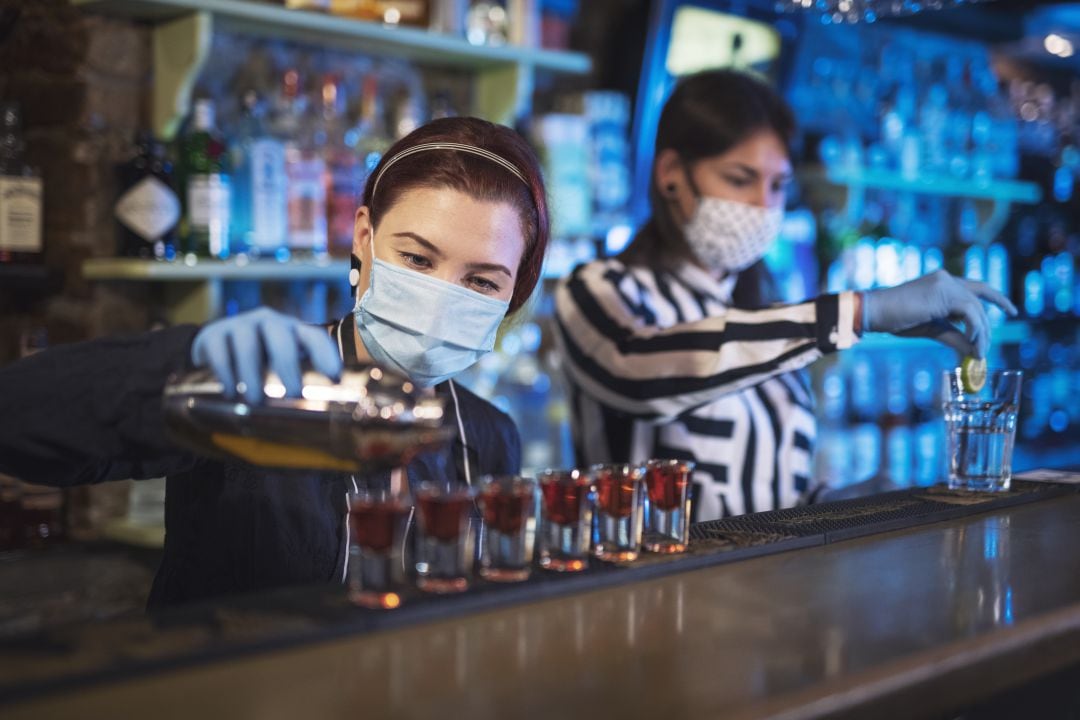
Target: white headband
471, 149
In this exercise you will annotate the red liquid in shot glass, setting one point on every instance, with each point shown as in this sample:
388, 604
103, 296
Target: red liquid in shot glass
504, 511
667, 486
373, 524
442, 515
615, 493
562, 500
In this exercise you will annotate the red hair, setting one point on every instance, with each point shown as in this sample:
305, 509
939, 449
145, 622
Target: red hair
480, 178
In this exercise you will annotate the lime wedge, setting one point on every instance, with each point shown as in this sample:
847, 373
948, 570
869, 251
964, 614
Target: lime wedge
972, 374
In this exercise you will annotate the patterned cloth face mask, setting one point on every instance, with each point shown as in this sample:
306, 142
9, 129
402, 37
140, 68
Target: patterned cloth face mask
729, 236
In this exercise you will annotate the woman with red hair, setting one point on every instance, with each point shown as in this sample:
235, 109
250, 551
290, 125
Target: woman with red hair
448, 242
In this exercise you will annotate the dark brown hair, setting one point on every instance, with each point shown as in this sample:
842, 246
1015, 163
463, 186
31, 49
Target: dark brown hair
476, 176
708, 114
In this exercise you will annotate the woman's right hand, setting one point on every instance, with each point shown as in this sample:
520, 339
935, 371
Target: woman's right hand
236, 348
929, 306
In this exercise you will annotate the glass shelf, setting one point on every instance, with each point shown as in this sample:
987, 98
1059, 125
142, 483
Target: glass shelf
1027, 457
273, 20
1009, 333
998, 190
134, 269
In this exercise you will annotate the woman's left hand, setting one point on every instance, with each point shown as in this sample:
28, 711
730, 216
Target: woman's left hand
925, 307
237, 347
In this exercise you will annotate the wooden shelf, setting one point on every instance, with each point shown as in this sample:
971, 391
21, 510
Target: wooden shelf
133, 269
271, 20
1008, 191
23, 276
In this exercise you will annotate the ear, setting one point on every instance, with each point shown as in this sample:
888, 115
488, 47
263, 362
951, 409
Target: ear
361, 251
669, 172
362, 231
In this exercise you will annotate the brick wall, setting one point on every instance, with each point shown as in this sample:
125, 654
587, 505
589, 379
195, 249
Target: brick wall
82, 82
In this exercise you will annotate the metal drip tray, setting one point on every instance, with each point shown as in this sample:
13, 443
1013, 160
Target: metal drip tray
371, 420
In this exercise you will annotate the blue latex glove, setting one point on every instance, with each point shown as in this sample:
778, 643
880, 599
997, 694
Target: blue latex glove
235, 348
929, 306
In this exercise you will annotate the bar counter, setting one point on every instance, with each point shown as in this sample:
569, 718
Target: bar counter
918, 622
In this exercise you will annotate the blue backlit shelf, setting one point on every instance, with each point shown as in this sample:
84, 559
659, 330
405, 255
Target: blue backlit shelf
133, 269
273, 20
1034, 458
1009, 333
1008, 191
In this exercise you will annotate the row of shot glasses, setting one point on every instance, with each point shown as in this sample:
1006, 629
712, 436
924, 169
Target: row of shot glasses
611, 512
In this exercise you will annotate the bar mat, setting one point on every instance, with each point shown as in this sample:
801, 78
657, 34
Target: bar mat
70, 656
849, 519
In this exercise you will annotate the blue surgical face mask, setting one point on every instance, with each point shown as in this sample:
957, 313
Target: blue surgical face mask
426, 328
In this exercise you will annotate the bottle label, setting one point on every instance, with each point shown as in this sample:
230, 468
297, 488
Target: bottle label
345, 191
149, 209
307, 204
209, 202
20, 214
268, 197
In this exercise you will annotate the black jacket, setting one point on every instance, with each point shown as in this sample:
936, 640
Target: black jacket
91, 412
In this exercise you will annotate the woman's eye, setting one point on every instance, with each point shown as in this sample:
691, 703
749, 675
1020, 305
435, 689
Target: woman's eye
416, 261
484, 285
738, 182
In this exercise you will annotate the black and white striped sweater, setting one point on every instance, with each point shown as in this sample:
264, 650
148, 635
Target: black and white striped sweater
659, 365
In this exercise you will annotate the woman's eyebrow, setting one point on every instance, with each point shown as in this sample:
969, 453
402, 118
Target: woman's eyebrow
752, 172
785, 176
419, 240
495, 267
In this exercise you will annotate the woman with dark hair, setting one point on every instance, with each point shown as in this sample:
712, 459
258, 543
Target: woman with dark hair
673, 348
449, 241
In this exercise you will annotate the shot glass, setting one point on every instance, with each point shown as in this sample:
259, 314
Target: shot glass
981, 429
667, 519
566, 520
378, 520
508, 505
619, 500
444, 539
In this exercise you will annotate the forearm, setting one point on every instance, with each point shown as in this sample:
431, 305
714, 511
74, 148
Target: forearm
663, 373
89, 412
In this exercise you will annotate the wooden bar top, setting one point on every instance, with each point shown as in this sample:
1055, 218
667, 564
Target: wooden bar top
900, 624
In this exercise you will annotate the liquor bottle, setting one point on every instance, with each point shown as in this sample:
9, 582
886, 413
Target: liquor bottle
372, 137
865, 409
416, 13
345, 175
317, 5
260, 199
10, 513
358, 9
997, 276
147, 209
487, 23
928, 432
391, 12
42, 514
20, 195
832, 460
305, 170
207, 195
41, 508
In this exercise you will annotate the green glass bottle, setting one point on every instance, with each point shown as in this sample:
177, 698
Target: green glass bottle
205, 174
